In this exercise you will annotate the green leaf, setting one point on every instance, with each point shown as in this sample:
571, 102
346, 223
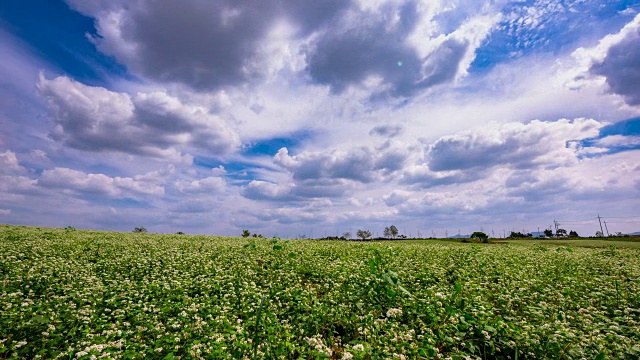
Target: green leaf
277, 247
404, 290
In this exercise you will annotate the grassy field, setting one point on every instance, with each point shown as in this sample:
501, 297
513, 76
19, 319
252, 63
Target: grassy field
74, 294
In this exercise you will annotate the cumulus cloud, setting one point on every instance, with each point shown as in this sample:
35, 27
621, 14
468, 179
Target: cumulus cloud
621, 64
312, 212
338, 43
209, 185
616, 58
518, 145
206, 45
359, 164
391, 44
81, 183
301, 190
153, 124
9, 163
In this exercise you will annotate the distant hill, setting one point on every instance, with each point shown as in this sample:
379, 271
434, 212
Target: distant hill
459, 236
635, 233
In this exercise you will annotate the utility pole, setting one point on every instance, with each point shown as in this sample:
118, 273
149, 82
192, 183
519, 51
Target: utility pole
601, 231
605, 227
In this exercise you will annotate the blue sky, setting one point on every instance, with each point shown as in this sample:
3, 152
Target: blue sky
291, 117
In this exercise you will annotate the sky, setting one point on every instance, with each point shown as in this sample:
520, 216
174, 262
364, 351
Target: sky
314, 118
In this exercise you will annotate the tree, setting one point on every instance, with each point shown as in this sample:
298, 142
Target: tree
561, 233
364, 234
573, 234
347, 235
246, 233
140, 230
394, 231
548, 233
480, 235
387, 232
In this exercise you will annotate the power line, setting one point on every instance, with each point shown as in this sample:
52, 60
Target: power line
572, 221
620, 217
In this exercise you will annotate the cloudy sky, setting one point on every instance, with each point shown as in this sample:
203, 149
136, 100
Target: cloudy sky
297, 117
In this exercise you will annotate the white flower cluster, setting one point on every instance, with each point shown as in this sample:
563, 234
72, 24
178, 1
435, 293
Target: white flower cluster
392, 313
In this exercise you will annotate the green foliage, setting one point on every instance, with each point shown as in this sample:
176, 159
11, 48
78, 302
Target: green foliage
480, 236
363, 234
548, 233
139, 230
390, 232
394, 231
573, 234
246, 233
387, 233
518, 235
561, 233
83, 294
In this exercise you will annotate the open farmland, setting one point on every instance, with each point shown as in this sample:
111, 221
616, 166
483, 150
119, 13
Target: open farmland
75, 294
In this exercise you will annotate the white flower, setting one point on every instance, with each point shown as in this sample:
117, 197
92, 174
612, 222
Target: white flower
347, 355
358, 347
394, 312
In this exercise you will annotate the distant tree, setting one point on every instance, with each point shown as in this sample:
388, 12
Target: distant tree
387, 233
480, 235
179, 233
394, 231
139, 230
548, 233
561, 233
246, 233
364, 234
346, 235
573, 234
257, 235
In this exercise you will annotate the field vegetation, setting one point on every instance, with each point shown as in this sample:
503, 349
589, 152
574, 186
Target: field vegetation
74, 294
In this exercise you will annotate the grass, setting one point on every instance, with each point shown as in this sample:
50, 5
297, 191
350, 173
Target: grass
76, 294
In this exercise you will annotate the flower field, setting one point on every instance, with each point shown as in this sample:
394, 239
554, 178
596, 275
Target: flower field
74, 294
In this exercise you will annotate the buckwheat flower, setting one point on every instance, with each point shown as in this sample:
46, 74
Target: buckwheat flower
394, 312
347, 356
80, 354
21, 344
358, 347
158, 350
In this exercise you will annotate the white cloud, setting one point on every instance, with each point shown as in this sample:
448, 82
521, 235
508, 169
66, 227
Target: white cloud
615, 59
533, 145
358, 164
618, 141
81, 183
9, 163
152, 124
209, 185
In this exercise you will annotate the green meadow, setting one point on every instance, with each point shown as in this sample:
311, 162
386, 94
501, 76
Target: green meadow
75, 294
